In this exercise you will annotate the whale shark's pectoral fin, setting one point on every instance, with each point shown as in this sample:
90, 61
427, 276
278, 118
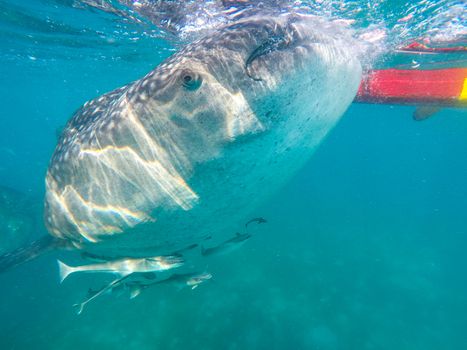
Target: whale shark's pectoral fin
425, 112
31, 251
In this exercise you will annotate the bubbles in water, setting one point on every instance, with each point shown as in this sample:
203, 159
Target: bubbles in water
123, 28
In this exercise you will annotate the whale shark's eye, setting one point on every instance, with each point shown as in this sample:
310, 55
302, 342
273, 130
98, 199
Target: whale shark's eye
191, 81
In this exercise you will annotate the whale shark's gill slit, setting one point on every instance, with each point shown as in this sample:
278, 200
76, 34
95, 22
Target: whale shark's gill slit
265, 48
275, 42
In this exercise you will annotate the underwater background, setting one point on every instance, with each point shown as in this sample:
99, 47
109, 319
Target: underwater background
365, 248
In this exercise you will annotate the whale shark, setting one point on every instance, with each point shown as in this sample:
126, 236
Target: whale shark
191, 148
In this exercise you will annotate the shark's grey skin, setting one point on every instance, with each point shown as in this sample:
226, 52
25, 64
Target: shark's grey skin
190, 149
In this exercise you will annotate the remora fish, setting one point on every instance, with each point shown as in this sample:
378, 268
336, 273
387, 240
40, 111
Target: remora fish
216, 128
114, 284
124, 267
227, 246
192, 280
257, 220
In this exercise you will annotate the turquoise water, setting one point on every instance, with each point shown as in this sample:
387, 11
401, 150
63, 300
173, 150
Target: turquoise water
364, 248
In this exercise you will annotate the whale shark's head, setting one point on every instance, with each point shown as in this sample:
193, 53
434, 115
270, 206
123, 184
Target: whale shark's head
244, 104
236, 81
